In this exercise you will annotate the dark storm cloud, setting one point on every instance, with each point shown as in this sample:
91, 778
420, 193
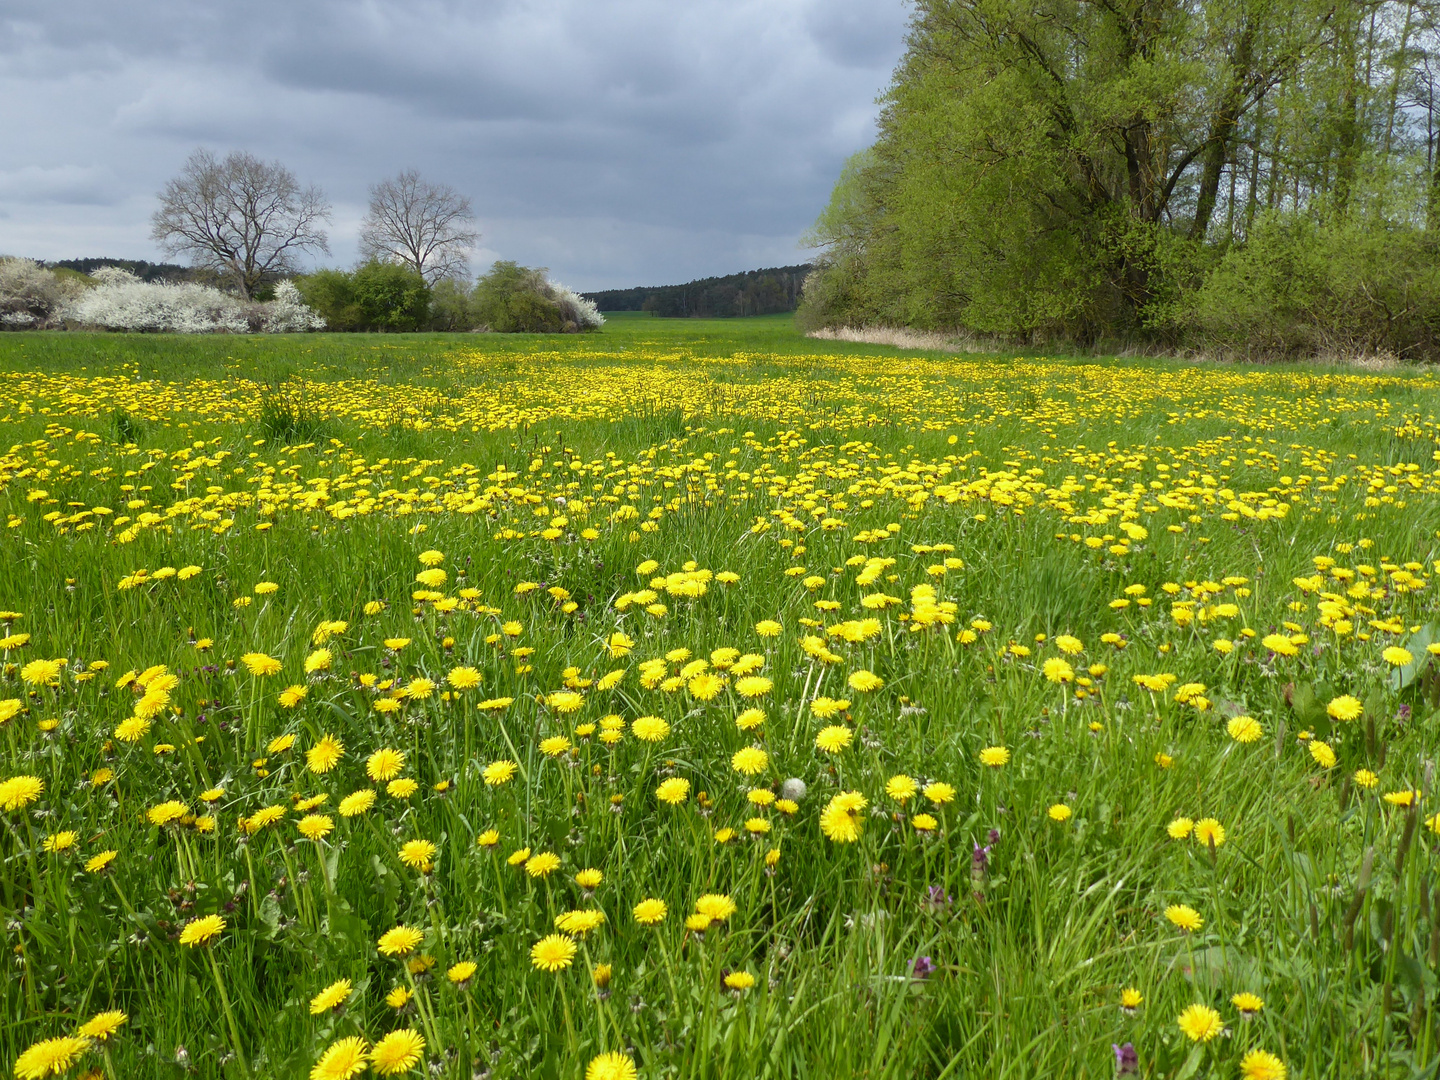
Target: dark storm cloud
617, 141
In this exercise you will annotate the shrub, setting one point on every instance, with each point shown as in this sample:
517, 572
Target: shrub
32, 297
375, 296
514, 299
450, 307
1301, 288
121, 301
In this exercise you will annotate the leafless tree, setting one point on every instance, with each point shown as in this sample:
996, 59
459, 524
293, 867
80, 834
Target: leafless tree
423, 225
240, 216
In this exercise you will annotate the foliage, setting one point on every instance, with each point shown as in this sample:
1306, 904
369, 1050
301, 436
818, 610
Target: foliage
450, 305
374, 296
1071, 171
1263, 538
755, 292
517, 299
1301, 288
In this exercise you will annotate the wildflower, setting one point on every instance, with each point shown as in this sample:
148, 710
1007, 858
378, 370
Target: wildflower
840, 820
1060, 812
833, 739
41, 672
166, 813
1184, 917
994, 756
939, 792
1279, 644
280, 744
1057, 670
554, 746
60, 841
202, 931
461, 973
50, 1057
749, 719
98, 864
332, 997
768, 628
1366, 779
542, 864
579, 922
589, 879
341, 1060
924, 823
417, 854
1180, 828
316, 826
1127, 1059
384, 764
260, 664
864, 681
649, 728
1200, 1023
698, 923
1208, 831
649, 912
488, 839
1344, 707
399, 941
716, 905
399, 997
357, 803
463, 678
1131, 999
750, 760
673, 791
739, 980
100, 1027
753, 686
402, 788
1249, 1004
901, 788
1395, 656
1261, 1065
611, 1066
398, 1051
323, 756
1322, 753
1244, 729
20, 791
553, 952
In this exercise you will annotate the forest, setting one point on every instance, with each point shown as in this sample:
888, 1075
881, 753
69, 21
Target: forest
1254, 177
754, 292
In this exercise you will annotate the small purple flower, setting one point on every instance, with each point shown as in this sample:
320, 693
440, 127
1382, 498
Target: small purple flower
922, 967
936, 896
1127, 1061
1403, 713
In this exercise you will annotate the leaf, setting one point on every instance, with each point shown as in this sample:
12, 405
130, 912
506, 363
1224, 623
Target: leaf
1192, 1063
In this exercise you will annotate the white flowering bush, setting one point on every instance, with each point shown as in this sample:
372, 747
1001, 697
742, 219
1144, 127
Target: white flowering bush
583, 313
123, 302
30, 295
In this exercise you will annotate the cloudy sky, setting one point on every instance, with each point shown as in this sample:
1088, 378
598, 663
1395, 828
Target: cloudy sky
618, 142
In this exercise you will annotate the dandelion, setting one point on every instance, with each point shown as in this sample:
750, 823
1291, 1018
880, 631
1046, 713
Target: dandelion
864, 682
542, 864
461, 973
397, 1052
649, 912
994, 756
1396, 656
18, 792
259, 664
399, 941
316, 826
739, 980
1344, 708
202, 931
649, 728
98, 864
1261, 1065
402, 788
1131, 1000
717, 906
1244, 729
1057, 670
323, 756
589, 879
840, 820
384, 764
357, 803
1180, 828
901, 788
1060, 812
611, 1066
833, 739
1208, 831
1200, 1023
750, 760
553, 952
342, 1059
102, 1026
417, 854
1184, 917
1322, 753
463, 678
60, 841
49, 1057
166, 813
939, 792
332, 997
1249, 1004
673, 791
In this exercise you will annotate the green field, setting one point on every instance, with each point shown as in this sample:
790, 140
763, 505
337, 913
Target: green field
1106, 684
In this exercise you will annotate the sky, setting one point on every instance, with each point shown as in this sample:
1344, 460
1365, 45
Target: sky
617, 142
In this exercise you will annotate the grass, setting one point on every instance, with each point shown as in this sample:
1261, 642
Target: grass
1005, 543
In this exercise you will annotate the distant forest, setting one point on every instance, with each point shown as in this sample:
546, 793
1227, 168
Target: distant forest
755, 292
145, 271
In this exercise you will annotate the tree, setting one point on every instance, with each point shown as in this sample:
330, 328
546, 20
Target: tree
419, 224
374, 296
515, 299
243, 217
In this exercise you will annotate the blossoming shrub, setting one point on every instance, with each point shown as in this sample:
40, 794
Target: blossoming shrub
124, 302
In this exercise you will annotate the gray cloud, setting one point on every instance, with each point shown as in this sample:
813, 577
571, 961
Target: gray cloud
616, 141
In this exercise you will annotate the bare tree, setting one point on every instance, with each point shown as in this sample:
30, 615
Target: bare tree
240, 216
423, 225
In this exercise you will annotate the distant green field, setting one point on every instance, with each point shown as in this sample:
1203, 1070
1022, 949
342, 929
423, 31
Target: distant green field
696, 699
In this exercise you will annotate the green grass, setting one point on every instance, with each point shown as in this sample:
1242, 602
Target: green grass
327, 464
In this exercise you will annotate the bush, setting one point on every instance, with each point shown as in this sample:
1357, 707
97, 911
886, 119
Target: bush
32, 297
121, 301
375, 296
450, 307
1299, 288
513, 299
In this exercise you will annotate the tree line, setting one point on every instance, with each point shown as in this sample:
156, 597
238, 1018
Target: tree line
754, 292
1253, 176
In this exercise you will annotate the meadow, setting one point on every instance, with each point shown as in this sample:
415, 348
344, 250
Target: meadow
700, 700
